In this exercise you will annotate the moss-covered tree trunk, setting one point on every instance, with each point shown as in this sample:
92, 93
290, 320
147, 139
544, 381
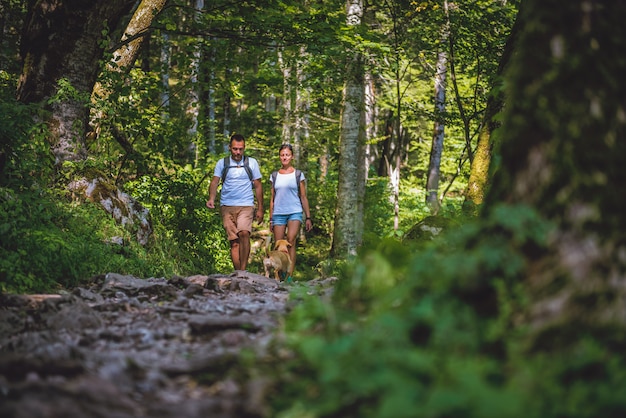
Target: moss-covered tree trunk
63, 40
563, 152
479, 179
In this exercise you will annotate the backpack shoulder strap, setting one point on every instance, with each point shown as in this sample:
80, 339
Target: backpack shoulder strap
246, 166
227, 166
298, 176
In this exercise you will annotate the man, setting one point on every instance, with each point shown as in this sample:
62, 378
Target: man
240, 175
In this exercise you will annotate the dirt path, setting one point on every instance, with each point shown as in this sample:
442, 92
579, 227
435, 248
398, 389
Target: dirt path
128, 347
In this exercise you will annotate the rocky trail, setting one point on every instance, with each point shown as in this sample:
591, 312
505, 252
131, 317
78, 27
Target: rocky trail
129, 347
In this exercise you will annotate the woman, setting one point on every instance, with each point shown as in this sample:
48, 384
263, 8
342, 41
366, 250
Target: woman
288, 203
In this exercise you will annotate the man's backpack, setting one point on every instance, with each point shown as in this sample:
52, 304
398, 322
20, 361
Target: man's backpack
298, 175
227, 167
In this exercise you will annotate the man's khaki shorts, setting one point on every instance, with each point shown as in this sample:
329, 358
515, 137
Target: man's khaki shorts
237, 219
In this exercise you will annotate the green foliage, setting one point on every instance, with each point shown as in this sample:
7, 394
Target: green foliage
583, 381
322, 197
48, 243
193, 233
24, 155
377, 208
430, 334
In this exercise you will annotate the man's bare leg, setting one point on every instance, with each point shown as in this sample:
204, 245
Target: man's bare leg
244, 249
235, 250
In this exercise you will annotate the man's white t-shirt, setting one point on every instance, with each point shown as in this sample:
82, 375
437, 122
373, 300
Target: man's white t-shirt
237, 188
286, 197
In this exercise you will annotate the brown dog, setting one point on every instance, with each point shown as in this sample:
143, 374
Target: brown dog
278, 259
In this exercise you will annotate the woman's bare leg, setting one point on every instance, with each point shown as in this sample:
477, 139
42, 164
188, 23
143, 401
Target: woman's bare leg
293, 228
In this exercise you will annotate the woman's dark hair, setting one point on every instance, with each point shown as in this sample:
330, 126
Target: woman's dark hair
283, 146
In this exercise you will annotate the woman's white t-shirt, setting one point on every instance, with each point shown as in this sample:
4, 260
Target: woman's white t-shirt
286, 197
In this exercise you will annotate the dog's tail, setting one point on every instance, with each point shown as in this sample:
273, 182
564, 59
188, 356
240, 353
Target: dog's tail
268, 243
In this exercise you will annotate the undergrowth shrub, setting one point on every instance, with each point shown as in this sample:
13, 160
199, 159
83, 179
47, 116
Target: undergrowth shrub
186, 231
48, 243
433, 334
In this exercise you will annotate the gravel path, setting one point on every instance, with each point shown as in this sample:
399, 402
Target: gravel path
129, 347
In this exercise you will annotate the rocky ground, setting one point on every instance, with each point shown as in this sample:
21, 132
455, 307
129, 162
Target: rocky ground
128, 347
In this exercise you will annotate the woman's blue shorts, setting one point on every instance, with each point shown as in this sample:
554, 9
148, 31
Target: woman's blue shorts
283, 219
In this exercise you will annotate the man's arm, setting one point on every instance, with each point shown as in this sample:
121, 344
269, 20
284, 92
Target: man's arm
258, 191
213, 192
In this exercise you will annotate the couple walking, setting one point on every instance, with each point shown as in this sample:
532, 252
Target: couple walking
241, 186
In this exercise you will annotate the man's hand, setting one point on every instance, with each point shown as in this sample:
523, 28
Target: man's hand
259, 215
212, 192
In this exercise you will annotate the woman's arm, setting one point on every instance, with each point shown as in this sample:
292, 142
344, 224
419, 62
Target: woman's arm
308, 223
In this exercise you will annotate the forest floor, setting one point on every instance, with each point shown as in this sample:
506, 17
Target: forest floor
128, 347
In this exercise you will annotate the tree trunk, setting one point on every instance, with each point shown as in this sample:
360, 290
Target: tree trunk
285, 67
386, 147
371, 115
563, 153
479, 171
52, 51
226, 109
436, 151
133, 37
194, 93
211, 100
135, 33
301, 132
165, 57
347, 232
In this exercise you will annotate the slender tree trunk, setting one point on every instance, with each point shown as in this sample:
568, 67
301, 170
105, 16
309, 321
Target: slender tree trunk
136, 32
194, 93
226, 109
563, 153
398, 152
386, 146
212, 113
371, 115
125, 56
395, 143
302, 106
134, 35
436, 151
301, 133
287, 104
165, 75
348, 219
64, 41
